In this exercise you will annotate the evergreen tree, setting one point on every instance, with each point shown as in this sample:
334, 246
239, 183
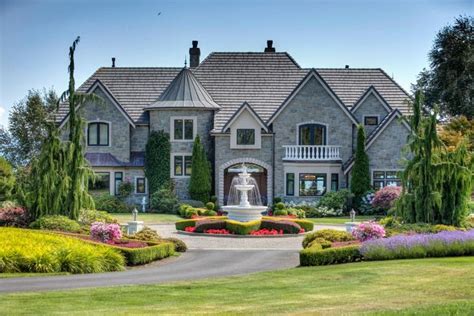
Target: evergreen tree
7, 179
157, 160
360, 180
436, 182
200, 182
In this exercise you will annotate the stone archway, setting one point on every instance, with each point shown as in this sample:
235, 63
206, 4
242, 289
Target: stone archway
246, 160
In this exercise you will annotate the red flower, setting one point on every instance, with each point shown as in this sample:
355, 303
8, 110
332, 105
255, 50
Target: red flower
190, 229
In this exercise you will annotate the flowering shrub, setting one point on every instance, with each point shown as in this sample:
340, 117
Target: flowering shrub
13, 216
386, 197
266, 231
217, 231
445, 243
105, 232
368, 230
190, 229
323, 211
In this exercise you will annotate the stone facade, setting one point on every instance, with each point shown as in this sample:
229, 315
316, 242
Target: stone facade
139, 137
313, 104
371, 106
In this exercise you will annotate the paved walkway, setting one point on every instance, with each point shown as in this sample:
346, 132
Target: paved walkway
208, 257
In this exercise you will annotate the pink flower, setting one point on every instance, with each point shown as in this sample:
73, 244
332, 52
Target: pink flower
367, 231
105, 232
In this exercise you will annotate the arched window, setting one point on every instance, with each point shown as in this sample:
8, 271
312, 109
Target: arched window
98, 134
312, 134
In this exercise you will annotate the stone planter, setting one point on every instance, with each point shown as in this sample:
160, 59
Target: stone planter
134, 227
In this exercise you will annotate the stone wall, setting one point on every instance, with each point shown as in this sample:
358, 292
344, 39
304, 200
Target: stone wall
139, 138
371, 106
313, 104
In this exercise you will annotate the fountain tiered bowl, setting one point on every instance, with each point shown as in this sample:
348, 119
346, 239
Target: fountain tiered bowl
244, 212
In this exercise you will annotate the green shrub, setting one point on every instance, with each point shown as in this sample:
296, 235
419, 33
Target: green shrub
181, 225
125, 189
204, 225
440, 227
111, 204
277, 200
316, 257
190, 212
56, 222
200, 182
156, 251
390, 222
288, 227
305, 224
193, 203
179, 245
164, 200
337, 200
296, 212
280, 205
242, 228
7, 179
280, 213
87, 217
210, 206
328, 234
146, 234
323, 243
210, 213
182, 209
25, 250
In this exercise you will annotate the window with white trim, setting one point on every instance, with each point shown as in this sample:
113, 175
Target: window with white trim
182, 165
371, 120
98, 134
385, 178
183, 128
140, 185
245, 136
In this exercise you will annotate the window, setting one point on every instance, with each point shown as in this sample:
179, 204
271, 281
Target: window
312, 184
371, 120
245, 136
312, 134
183, 129
118, 181
182, 165
383, 179
290, 184
140, 185
334, 181
98, 134
101, 184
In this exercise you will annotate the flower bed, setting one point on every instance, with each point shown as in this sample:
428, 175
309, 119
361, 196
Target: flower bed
268, 226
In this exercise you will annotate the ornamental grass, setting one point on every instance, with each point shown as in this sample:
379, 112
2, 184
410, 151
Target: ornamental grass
443, 244
32, 251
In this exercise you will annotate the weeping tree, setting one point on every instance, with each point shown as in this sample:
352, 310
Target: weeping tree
360, 179
157, 160
61, 174
200, 182
436, 183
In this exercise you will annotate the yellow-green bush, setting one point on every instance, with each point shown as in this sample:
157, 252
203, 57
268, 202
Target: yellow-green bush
34, 251
242, 228
315, 256
328, 234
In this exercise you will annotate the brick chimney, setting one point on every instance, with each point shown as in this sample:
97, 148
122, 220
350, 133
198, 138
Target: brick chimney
269, 48
113, 62
194, 55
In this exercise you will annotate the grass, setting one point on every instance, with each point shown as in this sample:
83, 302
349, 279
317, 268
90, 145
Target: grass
339, 220
148, 218
424, 286
27, 275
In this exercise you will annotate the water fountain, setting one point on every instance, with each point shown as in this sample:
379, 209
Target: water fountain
240, 188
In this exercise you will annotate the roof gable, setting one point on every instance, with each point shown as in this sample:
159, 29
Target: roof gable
312, 74
99, 85
244, 107
371, 91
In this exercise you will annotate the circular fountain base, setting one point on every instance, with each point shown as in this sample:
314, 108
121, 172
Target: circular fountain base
244, 214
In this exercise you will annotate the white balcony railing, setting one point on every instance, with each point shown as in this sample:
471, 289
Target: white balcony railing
311, 153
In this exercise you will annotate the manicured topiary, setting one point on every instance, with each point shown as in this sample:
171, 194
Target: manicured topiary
179, 245
56, 222
277, 200
287, 227
315, 256
328, 234
157, 160
242, 228
280, 205
280, 213
210, 206
203, 225
181, 225
200, 182
210, 213
360, 179
321, 242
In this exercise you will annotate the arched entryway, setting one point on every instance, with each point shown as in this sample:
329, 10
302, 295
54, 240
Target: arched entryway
263, 176
258, 173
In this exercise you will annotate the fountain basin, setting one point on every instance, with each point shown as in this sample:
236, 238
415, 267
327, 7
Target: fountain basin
244, 214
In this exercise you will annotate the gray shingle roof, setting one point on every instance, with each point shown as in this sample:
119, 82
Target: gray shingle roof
262, 79
185, 91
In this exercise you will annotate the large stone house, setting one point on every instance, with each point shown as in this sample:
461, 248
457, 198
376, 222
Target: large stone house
295, 127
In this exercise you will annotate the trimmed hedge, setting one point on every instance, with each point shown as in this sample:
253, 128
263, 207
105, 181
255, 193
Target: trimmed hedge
181, 225
242, 228
204, 225
287, 227
156, 251
305, 224
314, 256
328, 234
56, 222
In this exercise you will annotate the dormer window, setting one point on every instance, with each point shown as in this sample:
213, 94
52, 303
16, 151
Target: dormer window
371, 120
245, 136
98, 134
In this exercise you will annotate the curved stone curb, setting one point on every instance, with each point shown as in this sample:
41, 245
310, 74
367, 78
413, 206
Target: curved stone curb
238, 236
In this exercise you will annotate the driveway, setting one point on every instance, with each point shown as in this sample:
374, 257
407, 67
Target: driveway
207, 257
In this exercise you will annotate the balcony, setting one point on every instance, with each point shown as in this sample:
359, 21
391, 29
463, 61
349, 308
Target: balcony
311, 153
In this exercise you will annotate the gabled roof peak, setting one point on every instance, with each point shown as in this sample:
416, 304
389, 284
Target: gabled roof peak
185, 91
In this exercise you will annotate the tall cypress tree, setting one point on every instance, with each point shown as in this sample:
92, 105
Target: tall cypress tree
200, 182
360, 180
157, 160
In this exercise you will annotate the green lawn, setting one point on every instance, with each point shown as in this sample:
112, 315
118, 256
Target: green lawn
424, 286
25, 275
339, 220
148, 218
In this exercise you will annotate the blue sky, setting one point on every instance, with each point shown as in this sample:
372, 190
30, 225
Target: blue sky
35, 35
